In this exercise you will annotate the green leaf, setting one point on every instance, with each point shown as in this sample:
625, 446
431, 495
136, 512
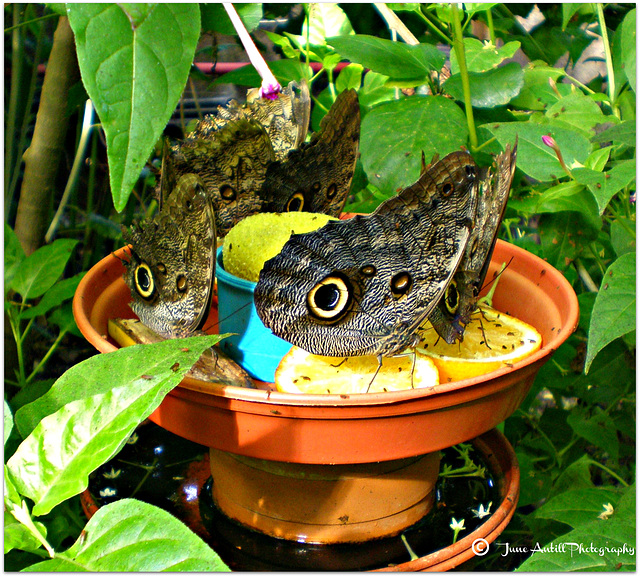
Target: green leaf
216, 19
575, 476
61, 291
623, 238
535, 158
284, 70
536, 93
130, 535
134, 60
325, 19
577, 507
13, 256
489, 89
8, 421
601, 545
83, 429
481, 56
394, 135
598, 430
598, 159
577, 112
564, 236
17, 536
375, 90
63, 318
605, 185
623, 133
393, 59
629, 47
350, 77
614, 312
42, 268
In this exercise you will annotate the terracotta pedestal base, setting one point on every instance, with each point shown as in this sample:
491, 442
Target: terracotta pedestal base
324, 503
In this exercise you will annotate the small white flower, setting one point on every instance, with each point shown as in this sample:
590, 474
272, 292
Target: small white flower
608, 511
113, 474
481, 513
456, 525
108, 492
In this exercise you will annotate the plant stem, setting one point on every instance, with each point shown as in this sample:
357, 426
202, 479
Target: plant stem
435, 29
78, 161
44, 359
27, 22
458, 46
42, 158
394, 23
17, 59
492, 32
611, 80
610, 472
15, 329
585, 277
91, 185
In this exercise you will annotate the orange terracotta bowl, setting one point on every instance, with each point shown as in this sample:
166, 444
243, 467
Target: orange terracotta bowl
335, 429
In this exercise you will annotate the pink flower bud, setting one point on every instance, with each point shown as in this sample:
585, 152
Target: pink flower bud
549, 141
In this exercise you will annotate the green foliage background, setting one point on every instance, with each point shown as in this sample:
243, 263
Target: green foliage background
573, 204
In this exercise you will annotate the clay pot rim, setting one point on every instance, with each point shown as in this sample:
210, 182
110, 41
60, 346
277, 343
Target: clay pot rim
491, 444
385, 398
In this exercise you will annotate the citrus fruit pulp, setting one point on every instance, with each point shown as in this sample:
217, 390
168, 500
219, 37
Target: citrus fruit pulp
302, 372
492, 339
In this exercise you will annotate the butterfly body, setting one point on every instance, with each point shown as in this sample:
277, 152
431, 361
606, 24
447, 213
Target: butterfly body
454, 311
363, 286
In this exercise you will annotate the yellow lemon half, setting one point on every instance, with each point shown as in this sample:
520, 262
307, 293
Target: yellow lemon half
491, 340
259, 237
302, 372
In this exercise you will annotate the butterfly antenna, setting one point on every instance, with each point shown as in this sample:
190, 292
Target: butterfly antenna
376, 373
216, 325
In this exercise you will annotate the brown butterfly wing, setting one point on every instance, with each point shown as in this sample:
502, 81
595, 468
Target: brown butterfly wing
170, 272
317, 176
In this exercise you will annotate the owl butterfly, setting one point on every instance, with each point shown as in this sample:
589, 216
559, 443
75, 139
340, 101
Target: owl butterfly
170, 271
363, 286
285, 118
239, 166
454, 310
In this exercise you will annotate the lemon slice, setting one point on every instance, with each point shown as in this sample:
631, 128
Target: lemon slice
302, 372
491, 340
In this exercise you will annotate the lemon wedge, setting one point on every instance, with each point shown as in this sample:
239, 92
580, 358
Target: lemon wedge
492, 339
302, 372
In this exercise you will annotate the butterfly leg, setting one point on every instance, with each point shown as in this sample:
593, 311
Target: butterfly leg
376, 373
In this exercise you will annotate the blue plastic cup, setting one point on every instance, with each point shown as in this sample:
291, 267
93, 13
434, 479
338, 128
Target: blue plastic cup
255, 348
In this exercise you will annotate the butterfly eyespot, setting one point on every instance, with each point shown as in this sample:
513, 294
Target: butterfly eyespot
452, 297
368, 270
181, 283
145, 285
332, 191
189, 205
296, 203
470, 170
401, 284
316, 186
330, 298
447, 188
161, 268
227, 192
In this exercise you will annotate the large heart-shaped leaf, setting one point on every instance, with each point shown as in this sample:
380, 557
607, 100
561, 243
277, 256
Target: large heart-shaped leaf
130, 535
614, 312
134, 60
84, 428
534, 157
395, 134
491, 88
605, 185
